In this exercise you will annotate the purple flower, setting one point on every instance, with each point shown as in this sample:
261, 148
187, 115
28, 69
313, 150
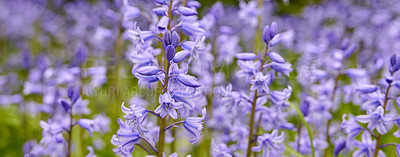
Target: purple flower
269, 142
366, 147
188, 80
350, 126
260, 82
181, 55
375, 119
394, 64
52, 133
125, 139
163, 24
246, 56
167, 106
339, 147
276, 57
366, 88
186, 11
89, 124
148, 70
220, 150
194, 125
284, 68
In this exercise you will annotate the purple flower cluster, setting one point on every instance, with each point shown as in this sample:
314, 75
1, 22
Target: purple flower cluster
245, 80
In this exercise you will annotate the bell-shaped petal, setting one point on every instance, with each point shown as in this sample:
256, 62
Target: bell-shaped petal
179, 56
275, 40
66, 106
162, 25
170, 52
148, 70
356, 73
246, 56
265, 34
366, 88
273, 30
160, 11
276, 57
186, 11
191, 29
188, 80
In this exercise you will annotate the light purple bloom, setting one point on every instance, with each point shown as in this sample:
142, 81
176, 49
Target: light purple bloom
375, 119
167, 106
260, 82
194, 126
269, 142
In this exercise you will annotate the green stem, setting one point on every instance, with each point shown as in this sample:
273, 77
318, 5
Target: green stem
163, 121
253, 109
70, 131
327, 135
378, 139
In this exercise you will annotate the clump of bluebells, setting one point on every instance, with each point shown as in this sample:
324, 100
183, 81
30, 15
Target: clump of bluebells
219, 82
165, 67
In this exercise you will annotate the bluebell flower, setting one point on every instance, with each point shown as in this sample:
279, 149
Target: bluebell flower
248, 68
194, 126
284, 68
148, 70
339, 147
373, 100
266, 36
161, 11
366, 88
91, 152
249, 12
273, 30
350, 126
188, 80
130, 12
89, 124
73, 93
181, 55
366, 147
280, 98
162, 25
246, 56
167, 106
260, 82
185, 11
355, 73
52, 133
394, 64
398, 150
125, 139
375, 119
192, 29
397, 122
276, 57
269, 142
135, 115
220, 150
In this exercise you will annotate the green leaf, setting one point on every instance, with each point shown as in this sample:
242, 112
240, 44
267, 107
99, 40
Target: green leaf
305, 124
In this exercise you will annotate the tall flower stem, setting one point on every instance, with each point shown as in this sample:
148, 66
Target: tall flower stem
253, 108
70, 131
378, 139
161, 138
163, 121
328, 139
